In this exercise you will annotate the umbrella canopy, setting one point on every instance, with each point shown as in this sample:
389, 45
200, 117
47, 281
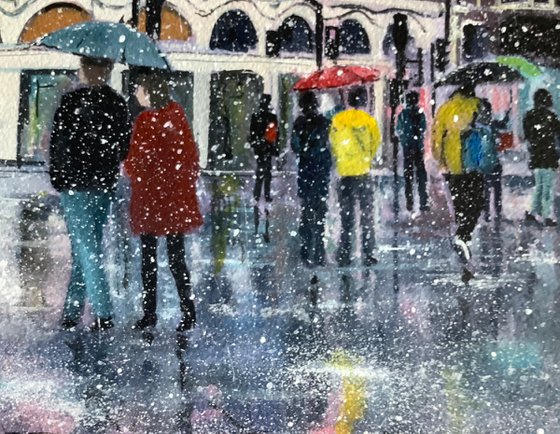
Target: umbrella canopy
338, 76
479, 73
526, 68
104, 40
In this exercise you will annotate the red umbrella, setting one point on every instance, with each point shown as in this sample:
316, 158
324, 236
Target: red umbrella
338, 76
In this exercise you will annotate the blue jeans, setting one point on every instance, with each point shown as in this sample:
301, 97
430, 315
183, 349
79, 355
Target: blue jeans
543, 196
86, 213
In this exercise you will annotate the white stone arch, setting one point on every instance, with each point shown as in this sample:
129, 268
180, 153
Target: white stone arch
14, 25
303, 11
257, 19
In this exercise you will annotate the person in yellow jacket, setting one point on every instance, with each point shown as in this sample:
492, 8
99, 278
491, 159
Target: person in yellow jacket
355, 138
453, 119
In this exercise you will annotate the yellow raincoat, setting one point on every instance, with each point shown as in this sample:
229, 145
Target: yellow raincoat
355, 138
451, 120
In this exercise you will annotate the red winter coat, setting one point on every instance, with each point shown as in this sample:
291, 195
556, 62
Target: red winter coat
163, 167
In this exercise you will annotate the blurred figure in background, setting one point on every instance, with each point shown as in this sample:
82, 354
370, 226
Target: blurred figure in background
411, 126
492, 166
263, 139
542, 130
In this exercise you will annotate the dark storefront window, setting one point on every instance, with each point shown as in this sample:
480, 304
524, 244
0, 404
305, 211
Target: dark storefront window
234, 98
353, 38
296, 36
475, 42
40, 95
235, 32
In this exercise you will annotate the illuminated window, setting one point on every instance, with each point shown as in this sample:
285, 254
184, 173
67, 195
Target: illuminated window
50, 19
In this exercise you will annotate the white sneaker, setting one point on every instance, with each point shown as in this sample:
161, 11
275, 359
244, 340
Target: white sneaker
462, 250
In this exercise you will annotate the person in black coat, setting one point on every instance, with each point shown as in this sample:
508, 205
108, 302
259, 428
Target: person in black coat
89, 139
310, 138
263, 139
411, 127
542, 130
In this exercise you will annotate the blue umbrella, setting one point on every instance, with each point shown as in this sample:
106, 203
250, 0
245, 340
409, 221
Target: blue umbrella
104, 40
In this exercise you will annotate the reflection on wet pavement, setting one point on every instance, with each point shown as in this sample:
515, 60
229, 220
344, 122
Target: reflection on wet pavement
402, 347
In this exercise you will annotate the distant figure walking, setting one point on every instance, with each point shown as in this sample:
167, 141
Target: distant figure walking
89, 140
542, 130
411, 126
459, 165
310, 136
492, 167
264, 141
355, 138
163, 168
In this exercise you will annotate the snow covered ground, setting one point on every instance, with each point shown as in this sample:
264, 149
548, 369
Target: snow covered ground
403, 347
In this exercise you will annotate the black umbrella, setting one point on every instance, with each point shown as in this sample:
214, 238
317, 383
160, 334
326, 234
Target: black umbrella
479, 73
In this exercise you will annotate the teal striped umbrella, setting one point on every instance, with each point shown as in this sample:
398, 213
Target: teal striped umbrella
104, 40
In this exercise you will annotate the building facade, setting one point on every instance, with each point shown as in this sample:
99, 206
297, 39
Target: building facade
218, 51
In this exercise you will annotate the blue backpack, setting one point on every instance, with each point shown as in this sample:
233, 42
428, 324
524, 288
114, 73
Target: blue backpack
472, 149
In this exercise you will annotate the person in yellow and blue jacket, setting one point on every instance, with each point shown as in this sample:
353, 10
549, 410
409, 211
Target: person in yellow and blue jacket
355, 138
453, 120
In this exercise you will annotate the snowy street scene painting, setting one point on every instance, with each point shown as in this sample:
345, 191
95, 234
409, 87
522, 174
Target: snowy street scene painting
279, 216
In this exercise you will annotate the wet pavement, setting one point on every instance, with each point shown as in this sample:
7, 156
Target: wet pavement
401, 347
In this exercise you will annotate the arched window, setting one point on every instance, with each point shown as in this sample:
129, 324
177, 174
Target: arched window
296, 36
173, 26
353, 38
234, 31
50, 19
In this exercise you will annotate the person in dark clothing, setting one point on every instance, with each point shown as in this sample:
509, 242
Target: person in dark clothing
263, 139
492, 166
89, 140
411, 126
542, 128
310, 136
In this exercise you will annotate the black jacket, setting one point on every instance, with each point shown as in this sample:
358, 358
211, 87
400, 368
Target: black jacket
542, 130
310, 139
90, 138
264, 150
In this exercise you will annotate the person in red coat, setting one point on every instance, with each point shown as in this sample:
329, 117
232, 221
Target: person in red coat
163, 167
